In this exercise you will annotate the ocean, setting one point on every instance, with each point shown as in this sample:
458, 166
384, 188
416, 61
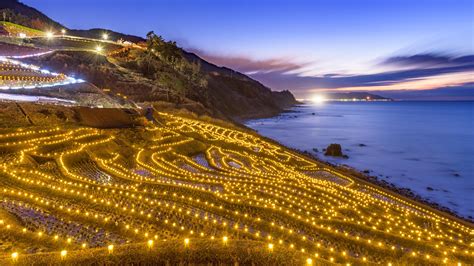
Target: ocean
425, 146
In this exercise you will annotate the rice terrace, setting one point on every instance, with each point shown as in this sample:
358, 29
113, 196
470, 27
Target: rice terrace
187, 187
120, 150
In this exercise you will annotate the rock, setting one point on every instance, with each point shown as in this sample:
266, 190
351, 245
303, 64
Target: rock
315, 150
429, 188
366, 171
362, 145
313, 113
334, 149
456, 175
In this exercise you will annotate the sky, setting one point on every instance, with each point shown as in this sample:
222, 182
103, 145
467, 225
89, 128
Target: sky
397, 48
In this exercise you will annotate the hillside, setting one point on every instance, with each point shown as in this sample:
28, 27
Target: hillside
188, 189
19, 13
153, 71
127, 153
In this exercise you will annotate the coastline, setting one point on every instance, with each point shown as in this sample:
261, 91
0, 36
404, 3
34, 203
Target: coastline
407, 193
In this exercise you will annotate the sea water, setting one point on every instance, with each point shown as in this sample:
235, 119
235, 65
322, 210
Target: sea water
425, 146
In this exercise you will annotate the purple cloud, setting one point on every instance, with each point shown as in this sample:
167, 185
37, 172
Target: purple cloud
250, 66
281, 74
462, 92
429, 60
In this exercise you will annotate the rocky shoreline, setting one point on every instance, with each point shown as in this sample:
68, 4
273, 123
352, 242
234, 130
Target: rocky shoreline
365, 176
406, 192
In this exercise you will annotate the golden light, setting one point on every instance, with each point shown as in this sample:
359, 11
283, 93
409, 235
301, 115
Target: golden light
15, 255
49, 34
63, 31
110, 248
98, 48
63, 253
105, 36
150, 243
299, 207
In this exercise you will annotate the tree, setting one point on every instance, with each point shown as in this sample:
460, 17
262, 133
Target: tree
168, 51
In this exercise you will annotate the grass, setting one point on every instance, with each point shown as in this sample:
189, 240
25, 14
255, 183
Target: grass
16, 29
197, 252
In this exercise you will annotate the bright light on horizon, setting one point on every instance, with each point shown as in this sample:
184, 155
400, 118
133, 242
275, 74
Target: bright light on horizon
49, 34
105, 36
318, 98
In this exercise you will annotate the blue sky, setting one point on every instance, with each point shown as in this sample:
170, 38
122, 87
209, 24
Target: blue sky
303, 45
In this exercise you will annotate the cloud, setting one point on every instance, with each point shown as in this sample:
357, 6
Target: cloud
249, 66
429, 60
423, 68
461, 92
411, 72
284, 81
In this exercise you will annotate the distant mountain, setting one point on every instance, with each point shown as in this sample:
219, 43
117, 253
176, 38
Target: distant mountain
224, 93
19, 13
355, 96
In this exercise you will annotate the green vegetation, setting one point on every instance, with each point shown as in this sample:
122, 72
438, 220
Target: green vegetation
15, 29
199, 252
163, 62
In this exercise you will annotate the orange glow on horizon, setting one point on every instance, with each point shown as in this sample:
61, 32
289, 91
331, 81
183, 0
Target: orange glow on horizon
428, 83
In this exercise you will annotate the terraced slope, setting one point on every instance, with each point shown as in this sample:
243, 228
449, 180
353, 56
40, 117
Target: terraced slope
194, 191
14, 74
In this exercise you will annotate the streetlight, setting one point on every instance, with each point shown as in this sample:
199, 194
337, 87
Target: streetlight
105, 36
63, 31
49, 34
98, 49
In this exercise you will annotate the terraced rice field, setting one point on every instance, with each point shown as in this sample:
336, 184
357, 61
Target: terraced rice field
16, 75
203, 191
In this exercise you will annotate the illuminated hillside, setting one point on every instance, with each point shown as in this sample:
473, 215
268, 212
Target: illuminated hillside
190, 190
